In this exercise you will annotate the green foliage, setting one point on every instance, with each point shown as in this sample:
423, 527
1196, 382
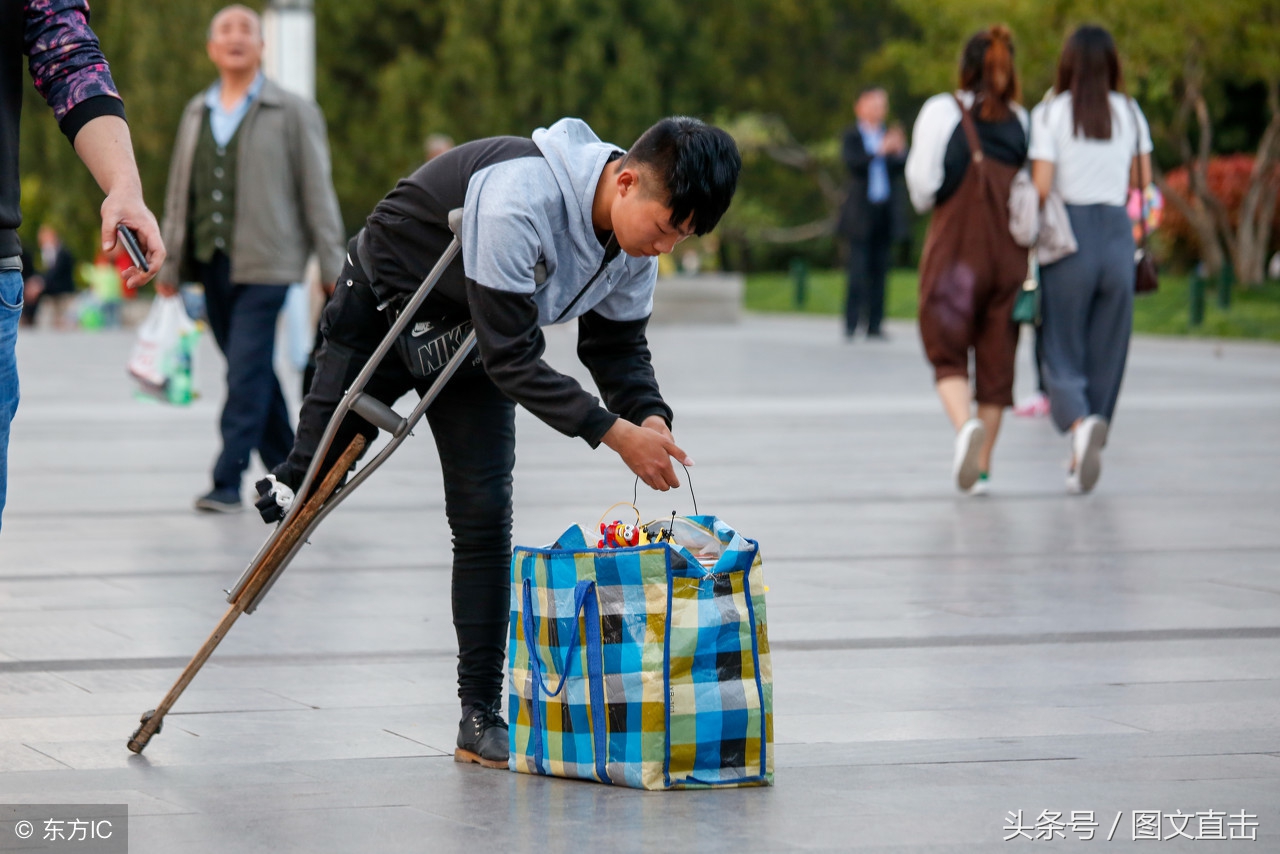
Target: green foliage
1227, 41
1253, 314
392, 72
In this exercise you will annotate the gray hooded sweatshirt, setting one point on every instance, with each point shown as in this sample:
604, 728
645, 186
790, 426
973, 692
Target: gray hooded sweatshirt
525, 202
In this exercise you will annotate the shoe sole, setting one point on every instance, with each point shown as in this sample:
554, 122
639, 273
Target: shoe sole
467, 757
967, 472
1090, 462
217, 507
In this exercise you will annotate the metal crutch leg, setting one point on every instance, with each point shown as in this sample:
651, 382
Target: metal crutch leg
305, 515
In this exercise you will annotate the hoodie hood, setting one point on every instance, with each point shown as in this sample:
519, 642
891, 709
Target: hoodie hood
576, 157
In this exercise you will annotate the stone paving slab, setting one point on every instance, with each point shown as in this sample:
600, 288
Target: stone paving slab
941, 661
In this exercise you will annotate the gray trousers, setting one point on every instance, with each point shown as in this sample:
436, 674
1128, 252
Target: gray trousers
1087, 316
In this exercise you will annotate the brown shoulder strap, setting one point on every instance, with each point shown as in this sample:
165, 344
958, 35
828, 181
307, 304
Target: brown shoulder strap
970, 130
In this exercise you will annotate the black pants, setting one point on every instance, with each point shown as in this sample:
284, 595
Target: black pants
868, 268
474, 428
254, 417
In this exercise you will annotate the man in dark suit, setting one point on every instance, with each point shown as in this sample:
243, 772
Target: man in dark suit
873, 216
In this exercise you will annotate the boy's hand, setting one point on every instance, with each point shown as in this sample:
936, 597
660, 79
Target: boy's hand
647, 451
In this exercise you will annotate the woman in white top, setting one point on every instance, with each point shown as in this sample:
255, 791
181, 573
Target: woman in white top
965, 150
1089, 142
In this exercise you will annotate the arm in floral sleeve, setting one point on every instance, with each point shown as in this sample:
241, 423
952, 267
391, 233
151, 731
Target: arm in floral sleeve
71, 73
67, 64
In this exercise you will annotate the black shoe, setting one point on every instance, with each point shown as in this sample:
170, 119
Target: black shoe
224, 500
482, 736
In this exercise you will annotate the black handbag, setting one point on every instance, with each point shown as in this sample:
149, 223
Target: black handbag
1145, 278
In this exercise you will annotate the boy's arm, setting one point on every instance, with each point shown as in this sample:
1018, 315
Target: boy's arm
617, 354
512, 345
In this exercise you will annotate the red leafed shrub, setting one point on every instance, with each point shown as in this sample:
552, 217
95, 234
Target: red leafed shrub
1229, 177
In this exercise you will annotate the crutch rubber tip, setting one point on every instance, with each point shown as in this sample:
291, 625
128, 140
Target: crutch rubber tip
139, 739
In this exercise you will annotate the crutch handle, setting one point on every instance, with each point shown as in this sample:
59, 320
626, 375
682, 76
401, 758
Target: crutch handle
378, 413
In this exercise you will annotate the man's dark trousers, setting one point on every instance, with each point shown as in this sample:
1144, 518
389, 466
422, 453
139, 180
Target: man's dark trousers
255, 417
868, 267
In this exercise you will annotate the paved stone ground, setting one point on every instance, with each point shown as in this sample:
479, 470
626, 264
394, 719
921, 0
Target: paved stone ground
941, 661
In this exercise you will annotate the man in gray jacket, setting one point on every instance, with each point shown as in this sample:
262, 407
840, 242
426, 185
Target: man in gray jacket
249, 199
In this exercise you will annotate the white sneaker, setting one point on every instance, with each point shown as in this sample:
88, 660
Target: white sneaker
980, 486
964, 467
1086, 447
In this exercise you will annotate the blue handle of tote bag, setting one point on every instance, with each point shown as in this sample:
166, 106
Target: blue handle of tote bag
584, 600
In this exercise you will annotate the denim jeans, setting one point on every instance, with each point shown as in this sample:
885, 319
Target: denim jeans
10, 312
473, 424
254, 417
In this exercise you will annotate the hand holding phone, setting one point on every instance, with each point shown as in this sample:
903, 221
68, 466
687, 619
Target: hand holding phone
130, 241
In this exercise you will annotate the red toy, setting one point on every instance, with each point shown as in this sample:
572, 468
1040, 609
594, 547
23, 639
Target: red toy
618, 535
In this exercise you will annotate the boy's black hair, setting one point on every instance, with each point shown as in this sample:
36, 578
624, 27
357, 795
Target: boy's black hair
697, 164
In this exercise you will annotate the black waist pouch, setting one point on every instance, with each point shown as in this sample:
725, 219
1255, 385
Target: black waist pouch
437, 330
431, 339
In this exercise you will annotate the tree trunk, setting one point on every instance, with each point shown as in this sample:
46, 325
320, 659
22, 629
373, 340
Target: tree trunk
1202, 210
1206, 232
1253, 233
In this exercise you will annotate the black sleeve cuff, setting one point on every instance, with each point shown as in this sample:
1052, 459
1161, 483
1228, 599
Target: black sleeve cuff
595, 425
86, 111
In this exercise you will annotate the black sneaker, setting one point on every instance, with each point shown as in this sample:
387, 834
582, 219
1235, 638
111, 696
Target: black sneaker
482, 736
220, 501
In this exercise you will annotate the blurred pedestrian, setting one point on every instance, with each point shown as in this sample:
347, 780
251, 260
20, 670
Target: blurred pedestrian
1090, 142
32, 287
249, 198
70, 72
57, 273
103, 278
966, 148
873, 216
437, 144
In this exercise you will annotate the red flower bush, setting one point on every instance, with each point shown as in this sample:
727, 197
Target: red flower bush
1229, 177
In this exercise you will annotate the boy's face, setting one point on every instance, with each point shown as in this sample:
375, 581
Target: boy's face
641, 218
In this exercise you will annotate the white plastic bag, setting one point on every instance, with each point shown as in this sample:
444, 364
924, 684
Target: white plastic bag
161, 358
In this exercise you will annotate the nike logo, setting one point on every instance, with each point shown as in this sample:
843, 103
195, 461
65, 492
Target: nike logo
420, 329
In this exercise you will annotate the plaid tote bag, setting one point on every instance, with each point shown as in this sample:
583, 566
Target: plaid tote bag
645, 666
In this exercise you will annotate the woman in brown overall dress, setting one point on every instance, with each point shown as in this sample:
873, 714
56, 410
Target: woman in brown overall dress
966, 149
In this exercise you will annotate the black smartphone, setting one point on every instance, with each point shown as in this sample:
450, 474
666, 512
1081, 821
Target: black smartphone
130, 241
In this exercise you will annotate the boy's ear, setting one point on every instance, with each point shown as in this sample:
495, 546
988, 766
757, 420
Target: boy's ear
627, 179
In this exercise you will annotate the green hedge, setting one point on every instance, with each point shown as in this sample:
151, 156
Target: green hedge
1253, 313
